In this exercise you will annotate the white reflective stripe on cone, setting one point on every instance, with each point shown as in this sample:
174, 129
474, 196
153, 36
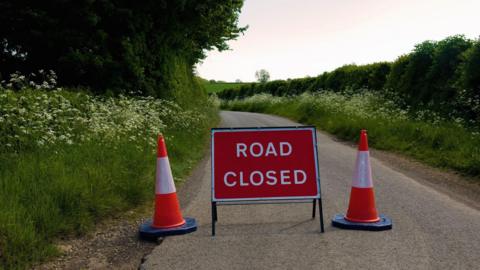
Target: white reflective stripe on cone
363, 171
164, 179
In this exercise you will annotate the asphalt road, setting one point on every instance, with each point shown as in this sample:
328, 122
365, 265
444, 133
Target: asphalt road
430, 230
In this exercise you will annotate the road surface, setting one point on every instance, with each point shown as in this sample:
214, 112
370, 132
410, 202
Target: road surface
430, 230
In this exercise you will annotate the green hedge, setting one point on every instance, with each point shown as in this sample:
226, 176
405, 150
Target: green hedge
442, 76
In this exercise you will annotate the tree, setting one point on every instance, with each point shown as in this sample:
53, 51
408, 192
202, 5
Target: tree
469, 70
414, 79
262, 76
113, 44
442, 74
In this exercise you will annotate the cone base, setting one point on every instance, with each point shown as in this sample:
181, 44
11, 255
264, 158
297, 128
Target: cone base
146, 230
383, 224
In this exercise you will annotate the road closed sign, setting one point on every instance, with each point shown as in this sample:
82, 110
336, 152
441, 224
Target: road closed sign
251, 164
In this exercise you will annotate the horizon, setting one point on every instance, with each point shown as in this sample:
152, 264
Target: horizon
296, 40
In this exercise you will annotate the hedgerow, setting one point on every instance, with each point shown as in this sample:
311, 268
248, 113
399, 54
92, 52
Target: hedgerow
439, 76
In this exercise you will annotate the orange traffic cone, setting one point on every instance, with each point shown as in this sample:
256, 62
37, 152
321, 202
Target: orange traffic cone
362, 213
167, 219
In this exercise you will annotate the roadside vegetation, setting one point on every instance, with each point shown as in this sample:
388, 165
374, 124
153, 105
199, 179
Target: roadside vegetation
423, 135
69, 159
438, 76
425, 104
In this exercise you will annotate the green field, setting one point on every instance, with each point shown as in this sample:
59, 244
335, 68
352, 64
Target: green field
219, 86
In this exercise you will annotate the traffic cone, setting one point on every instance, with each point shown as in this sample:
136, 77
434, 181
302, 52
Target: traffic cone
362, 213
167, 218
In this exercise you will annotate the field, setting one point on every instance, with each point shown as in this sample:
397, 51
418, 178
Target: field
219, 87
69, 159
420, 134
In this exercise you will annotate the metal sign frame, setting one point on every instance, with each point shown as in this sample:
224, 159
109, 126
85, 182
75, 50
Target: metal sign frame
267, 200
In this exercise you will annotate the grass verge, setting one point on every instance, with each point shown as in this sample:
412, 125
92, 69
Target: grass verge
88, 169
441, 143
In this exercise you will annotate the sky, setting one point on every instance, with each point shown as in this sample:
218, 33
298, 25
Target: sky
299, 38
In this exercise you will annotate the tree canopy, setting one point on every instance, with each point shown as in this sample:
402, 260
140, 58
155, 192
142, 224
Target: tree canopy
262, 75
114, 44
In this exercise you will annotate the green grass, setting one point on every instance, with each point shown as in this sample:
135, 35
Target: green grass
61, 189
219, 87
443, 144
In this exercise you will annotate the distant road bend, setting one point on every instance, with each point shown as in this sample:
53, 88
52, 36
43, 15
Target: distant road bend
430, 229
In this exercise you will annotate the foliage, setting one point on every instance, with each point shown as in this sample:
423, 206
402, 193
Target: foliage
219, 87
408, 74
41, 80
69, 159
262, 75
424, 135
112, 45
469, 75
371, 76
34, 119
440, 76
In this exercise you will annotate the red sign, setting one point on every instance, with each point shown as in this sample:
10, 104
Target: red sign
264, 164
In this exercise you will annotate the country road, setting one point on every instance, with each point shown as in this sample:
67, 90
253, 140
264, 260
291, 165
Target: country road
430, 229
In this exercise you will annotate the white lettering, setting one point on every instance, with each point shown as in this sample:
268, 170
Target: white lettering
225, 179
284, 177
243, 184
257, 149
270, 150
260, 176
295, 177
241, 149
272, 179
260, 148
282, 149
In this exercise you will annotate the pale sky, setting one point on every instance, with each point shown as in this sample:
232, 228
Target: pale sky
298, 38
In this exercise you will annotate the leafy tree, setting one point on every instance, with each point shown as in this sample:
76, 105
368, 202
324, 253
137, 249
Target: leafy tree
468, 83
262, 76
413, 80
377, 75
143, 45
442, 75
469, 70
394, 78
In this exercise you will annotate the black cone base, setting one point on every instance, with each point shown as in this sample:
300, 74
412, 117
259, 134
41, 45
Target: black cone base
383, 224
146, 230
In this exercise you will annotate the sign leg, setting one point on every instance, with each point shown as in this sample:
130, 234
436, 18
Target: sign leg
314, 210
320, 213
214, 217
